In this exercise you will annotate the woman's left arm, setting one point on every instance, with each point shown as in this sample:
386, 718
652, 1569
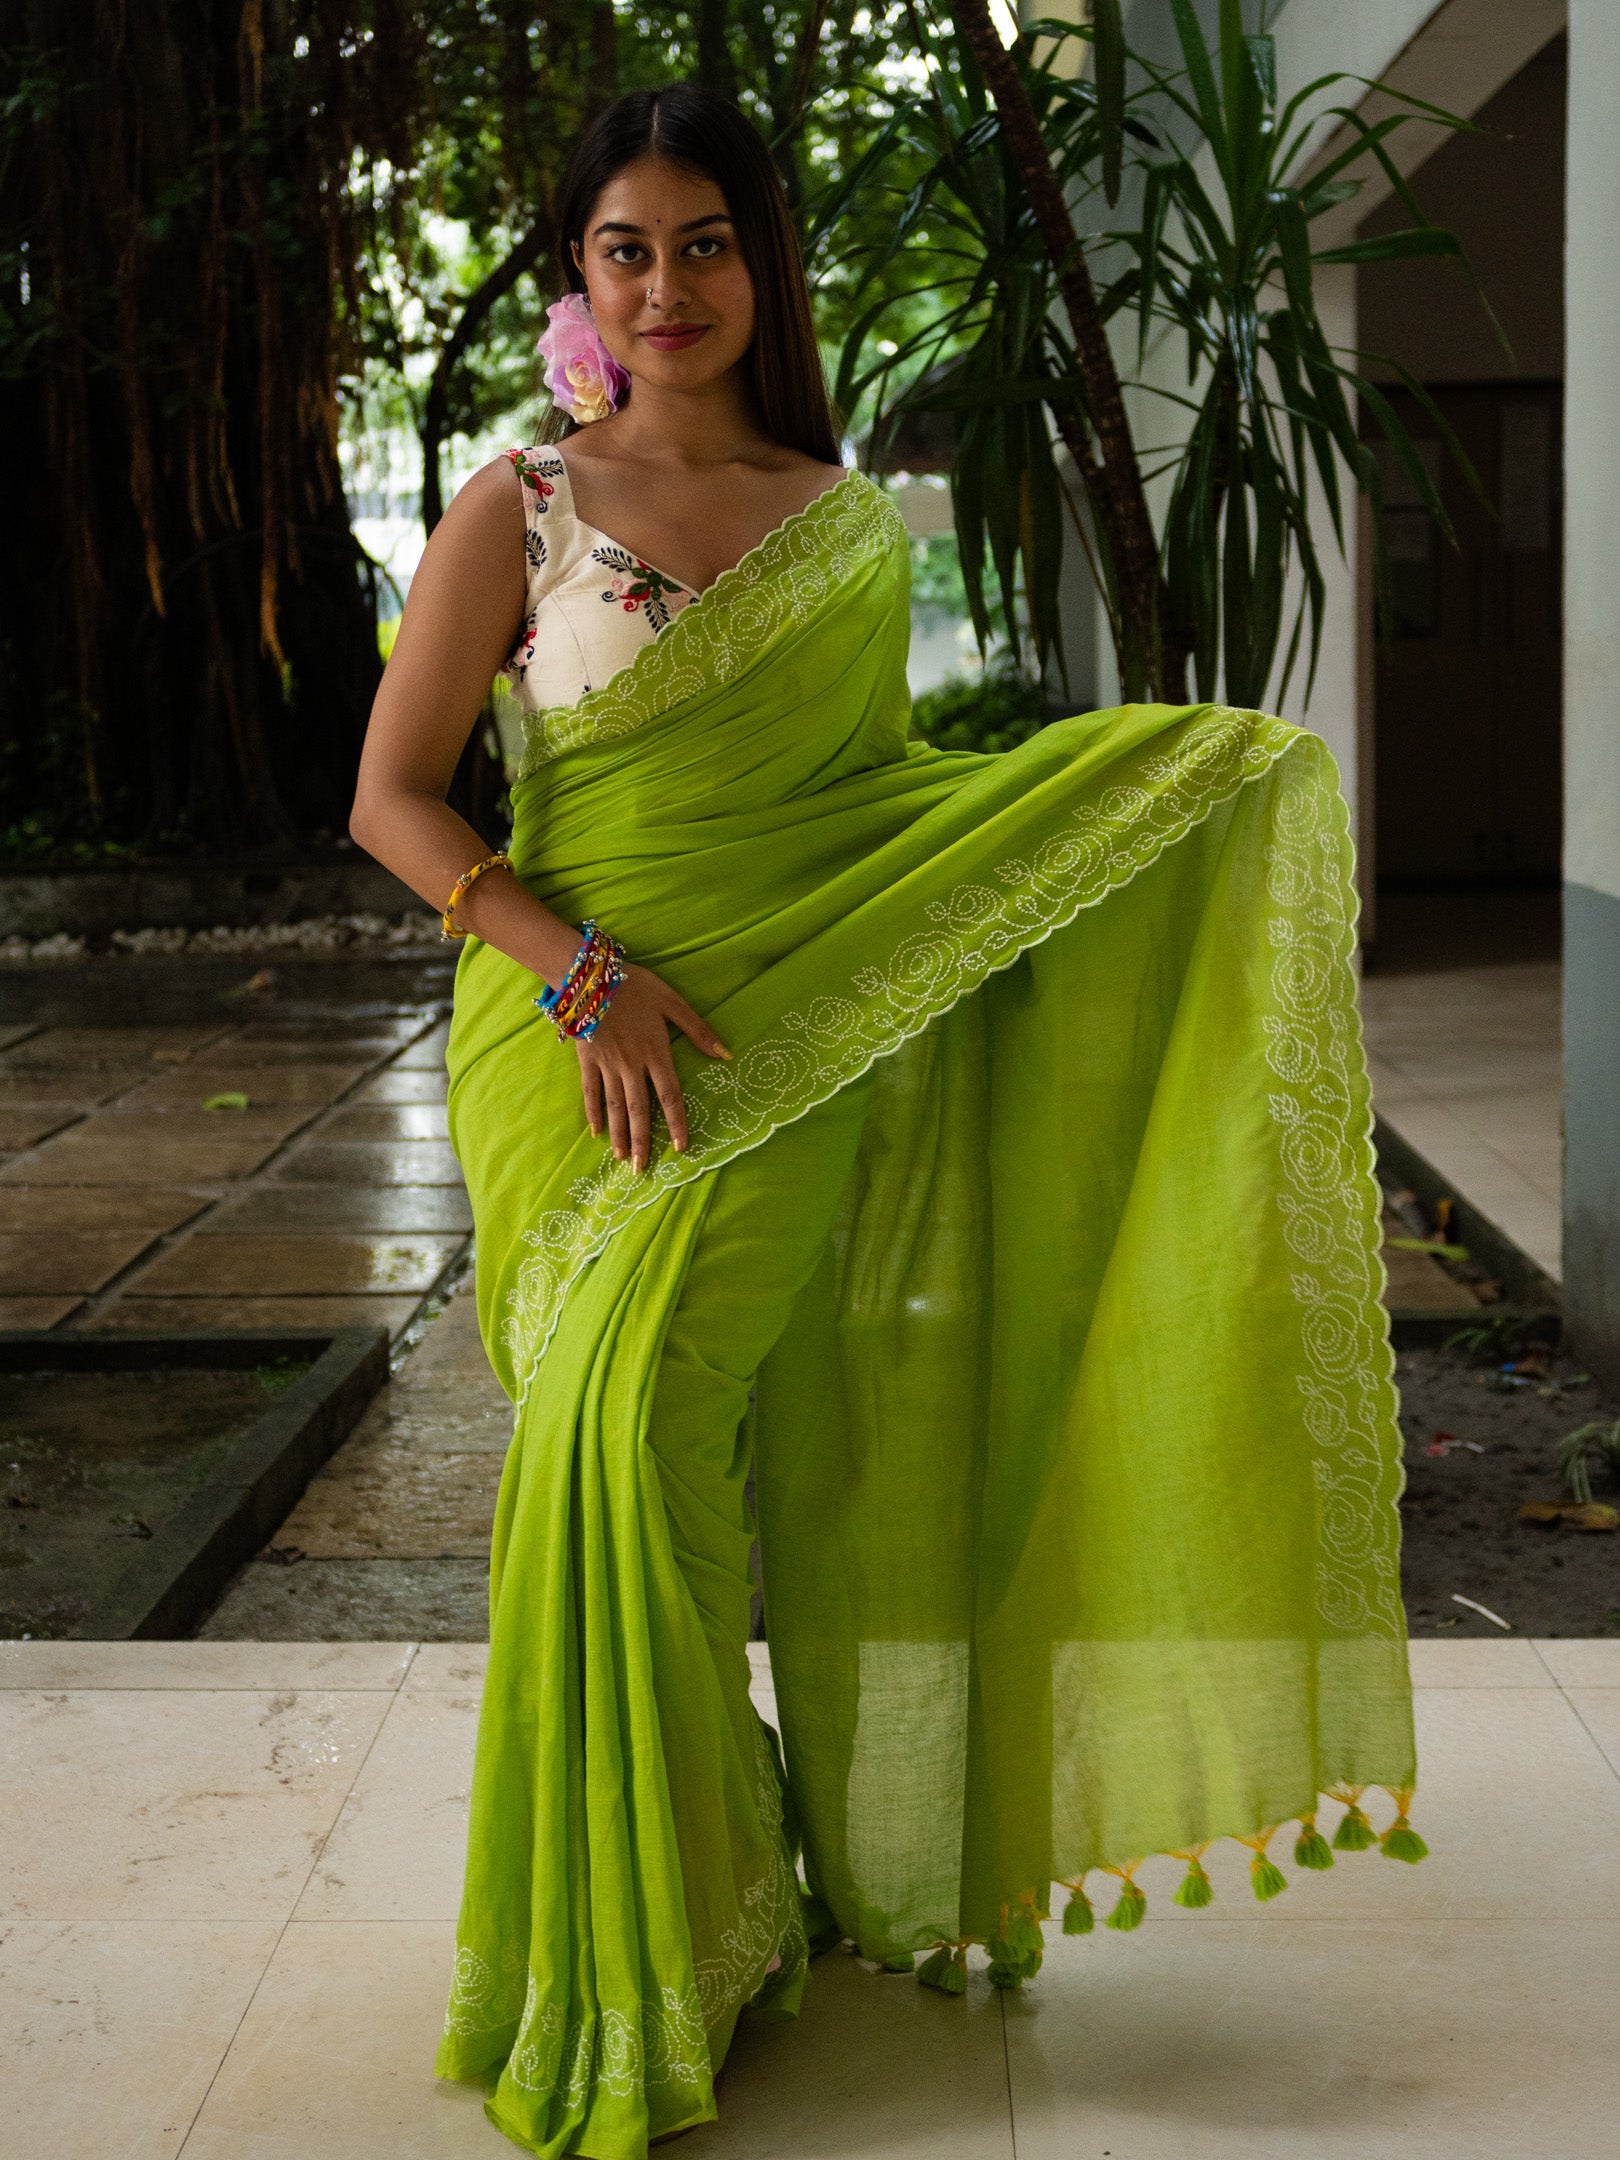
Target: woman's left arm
460, 622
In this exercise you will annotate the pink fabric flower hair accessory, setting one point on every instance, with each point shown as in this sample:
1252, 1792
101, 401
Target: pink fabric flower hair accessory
581, 374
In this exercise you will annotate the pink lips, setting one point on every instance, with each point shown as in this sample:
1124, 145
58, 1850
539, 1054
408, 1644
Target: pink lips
677, 337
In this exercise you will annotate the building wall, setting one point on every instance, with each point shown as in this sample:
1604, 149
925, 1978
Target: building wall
1502, 192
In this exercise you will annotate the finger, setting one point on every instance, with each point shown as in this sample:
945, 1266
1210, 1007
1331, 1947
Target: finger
696, 1029
635, 1103
618, 1124
590, 1082
670, 1099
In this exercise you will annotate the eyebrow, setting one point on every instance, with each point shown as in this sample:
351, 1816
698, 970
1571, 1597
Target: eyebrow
715, 217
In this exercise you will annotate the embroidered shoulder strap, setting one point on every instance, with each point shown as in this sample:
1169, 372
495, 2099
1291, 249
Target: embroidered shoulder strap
539, 470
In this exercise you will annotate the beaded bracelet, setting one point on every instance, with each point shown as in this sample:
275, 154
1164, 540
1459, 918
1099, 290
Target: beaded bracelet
575, 1007
500, 860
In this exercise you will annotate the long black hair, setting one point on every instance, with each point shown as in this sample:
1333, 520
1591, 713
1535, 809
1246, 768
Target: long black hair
708, 135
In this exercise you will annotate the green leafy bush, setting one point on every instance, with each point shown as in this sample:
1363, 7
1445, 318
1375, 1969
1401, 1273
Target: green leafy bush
997, 710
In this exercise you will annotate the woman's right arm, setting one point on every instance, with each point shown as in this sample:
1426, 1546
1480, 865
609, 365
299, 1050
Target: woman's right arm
461, 620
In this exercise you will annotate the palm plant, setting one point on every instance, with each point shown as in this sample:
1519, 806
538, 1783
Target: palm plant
1013, 149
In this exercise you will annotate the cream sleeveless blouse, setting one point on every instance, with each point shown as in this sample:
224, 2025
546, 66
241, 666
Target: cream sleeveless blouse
591, 604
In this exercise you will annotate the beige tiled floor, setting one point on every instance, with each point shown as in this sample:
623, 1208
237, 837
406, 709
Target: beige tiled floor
1466, 1066
234, 1872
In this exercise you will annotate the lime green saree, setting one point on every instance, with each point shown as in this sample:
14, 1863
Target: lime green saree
1027, 1251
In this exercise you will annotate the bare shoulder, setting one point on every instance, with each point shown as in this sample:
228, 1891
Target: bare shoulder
808, 477
489, 504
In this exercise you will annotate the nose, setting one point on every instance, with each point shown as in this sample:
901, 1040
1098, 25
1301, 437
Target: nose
666, 288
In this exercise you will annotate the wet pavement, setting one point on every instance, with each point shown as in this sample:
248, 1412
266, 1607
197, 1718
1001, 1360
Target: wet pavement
318, 1190
391, 1539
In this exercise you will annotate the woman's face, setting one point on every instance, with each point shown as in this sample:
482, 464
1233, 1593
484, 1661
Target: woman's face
669, 289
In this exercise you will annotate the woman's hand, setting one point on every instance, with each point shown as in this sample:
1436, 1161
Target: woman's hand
631, 1048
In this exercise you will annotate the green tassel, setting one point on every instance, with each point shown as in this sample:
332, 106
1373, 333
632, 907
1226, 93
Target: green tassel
904, 1962
1401, 1842
1019, 1944
1128, 1912
1312, 1849
1268, 1879
1355, 1833
945, 1970
1004, 1975
1196, 1888
1078, 1917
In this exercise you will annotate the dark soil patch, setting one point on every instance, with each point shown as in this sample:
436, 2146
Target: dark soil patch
92, 1464
1460, 1512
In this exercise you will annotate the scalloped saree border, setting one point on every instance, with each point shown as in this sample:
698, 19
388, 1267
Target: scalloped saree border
776, 585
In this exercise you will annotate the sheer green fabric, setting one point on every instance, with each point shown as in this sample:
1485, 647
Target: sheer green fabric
1037, 1207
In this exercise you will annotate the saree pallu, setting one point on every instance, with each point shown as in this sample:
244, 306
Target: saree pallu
1027, 1249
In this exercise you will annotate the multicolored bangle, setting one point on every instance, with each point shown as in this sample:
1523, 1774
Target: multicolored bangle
575, 1007
500, 860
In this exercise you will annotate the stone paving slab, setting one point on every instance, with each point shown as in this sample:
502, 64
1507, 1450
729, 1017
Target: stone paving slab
89, 1154
390, 1121
36, 1312
403, 1086
313, 1265
152, 1208
394, 1530
24, 1125
126, 1203
371, 1162
80, 1088
164, 1314
260, 1079
340, 1208
56, 1261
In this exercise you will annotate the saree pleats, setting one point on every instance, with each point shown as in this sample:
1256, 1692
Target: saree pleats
1035, 1210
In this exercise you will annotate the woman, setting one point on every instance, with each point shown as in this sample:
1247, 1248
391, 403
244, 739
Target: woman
975, 1147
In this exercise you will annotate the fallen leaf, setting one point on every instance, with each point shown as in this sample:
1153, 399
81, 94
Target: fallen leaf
231, 1100
1579, 1514
1593, 1515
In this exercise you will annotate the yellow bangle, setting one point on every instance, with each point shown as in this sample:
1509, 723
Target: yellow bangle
500, 860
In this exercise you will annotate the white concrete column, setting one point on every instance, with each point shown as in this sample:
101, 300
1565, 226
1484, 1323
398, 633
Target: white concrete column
1592, 690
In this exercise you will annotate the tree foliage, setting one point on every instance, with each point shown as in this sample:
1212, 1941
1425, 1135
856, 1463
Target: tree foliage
1030, 168
229, 228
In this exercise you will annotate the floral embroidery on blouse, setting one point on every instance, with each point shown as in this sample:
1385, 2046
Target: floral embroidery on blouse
526, 464
640, 589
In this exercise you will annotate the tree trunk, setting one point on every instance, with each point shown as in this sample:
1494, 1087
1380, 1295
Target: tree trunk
1153, 660
187, 633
